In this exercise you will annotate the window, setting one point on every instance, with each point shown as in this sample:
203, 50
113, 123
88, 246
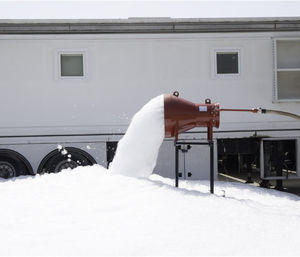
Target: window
226, 63
71, 64
287, 70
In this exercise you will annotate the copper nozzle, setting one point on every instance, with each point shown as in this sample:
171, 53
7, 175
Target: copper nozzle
182, 115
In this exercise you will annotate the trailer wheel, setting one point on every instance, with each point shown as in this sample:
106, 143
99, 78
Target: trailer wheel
69, 157
13, 164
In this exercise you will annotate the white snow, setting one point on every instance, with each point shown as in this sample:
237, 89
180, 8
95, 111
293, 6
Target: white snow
94, 211
90, 211
137, 151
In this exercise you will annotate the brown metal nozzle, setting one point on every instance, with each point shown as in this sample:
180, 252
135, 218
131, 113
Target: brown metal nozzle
182, 115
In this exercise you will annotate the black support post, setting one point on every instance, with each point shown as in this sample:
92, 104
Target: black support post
211, 146
210, 143
176, 165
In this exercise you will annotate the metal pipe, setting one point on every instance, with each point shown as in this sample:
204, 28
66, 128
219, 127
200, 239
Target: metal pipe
176, 165
211, 145
210, 133
254, 110
263, 111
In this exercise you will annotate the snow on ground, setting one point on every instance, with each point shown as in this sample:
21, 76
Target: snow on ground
95, 211
91, 211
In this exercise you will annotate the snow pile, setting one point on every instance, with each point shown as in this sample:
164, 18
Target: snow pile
137, 151
94, 211
90, 211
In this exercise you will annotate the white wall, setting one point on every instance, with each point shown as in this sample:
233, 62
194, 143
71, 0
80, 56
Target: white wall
124, 72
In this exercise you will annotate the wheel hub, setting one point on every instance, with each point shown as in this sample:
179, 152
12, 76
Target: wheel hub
65, 164
7, 170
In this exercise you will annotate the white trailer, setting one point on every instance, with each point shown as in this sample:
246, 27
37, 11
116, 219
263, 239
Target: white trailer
77, 83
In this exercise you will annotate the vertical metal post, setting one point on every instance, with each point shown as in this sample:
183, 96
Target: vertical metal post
211, 146
210, 133
176, 165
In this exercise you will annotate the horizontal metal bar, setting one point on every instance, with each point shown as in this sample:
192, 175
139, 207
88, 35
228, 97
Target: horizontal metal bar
281, 177
66, 135
121, 134
243, 130
192, 143
254, 110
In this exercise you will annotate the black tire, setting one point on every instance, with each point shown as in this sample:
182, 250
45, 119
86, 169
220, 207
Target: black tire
13, 164
68, 157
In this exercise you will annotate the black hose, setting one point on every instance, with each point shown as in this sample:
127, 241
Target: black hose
292, 115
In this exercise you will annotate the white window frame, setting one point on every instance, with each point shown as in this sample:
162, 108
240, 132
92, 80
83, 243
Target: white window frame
276, 69
214, 53
60, 52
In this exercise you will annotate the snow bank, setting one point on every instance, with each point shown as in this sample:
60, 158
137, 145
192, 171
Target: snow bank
94, 211
89, 211
137, 151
